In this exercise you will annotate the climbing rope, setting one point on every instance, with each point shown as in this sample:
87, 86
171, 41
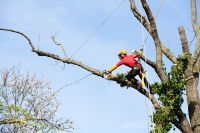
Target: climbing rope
158, 10
144, 40
86, 40
98, 27
72, 83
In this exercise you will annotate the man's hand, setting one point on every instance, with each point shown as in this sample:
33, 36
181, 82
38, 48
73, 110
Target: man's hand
141, 51
107, 74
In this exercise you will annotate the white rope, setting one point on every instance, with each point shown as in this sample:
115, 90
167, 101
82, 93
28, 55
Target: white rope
142, 34
144, 40
97, 28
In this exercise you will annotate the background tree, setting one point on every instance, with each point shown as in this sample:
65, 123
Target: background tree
172, 83
28, 104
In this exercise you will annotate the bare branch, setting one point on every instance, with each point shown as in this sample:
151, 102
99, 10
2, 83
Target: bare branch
197, 47
184, 41
69, 61
59, 44
149, 62
168, 53
147, 26
154, 32
139, 17
20, 33
136, 84
196, 29
97, 73
194, 15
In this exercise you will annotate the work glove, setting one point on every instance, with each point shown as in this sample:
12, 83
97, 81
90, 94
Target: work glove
141, 51
107, 74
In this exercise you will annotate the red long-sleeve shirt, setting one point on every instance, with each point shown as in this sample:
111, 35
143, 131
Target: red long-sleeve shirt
129, 61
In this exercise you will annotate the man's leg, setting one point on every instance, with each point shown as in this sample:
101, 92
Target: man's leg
131, 77
147, 84
144, 80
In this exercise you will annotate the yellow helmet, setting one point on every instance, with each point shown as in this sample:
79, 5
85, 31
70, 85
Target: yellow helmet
122, 52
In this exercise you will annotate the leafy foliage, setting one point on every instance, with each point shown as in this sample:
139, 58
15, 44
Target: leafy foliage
123, 80
170, 95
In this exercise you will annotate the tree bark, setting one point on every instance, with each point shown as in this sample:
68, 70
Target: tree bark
193, 97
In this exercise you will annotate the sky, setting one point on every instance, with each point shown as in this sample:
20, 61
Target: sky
95, 105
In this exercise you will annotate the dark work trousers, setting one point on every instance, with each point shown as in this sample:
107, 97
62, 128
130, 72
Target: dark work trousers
137, 70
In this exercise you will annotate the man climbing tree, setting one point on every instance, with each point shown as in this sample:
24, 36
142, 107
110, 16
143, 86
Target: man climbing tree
184, 73
136, 67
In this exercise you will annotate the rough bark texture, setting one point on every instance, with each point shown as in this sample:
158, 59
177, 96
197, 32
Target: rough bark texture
183, 39
193, 97
192, 73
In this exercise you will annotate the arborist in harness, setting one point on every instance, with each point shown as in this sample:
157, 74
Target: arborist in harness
136, 67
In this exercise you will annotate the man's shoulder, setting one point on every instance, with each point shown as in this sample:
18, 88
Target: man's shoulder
131, 55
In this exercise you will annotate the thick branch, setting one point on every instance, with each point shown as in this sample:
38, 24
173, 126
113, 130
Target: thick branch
154, 32
69, 61
196, 30
94, 71
197, 48
148, 61
194, 15
168, 53
183, 123
146, 24
140, 18
184, 41
98, 73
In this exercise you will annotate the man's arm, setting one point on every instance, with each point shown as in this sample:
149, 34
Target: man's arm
112, 68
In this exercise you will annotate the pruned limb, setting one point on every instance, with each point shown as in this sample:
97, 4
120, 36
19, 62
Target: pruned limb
196, 29
197, 48
98, 73
194, 15
184, 40
168, 53
69, 61
149, 62
94, 71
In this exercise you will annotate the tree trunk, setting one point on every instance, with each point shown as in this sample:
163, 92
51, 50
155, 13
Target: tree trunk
193, 97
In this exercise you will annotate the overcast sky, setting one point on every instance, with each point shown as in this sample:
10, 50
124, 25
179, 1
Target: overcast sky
94, 104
